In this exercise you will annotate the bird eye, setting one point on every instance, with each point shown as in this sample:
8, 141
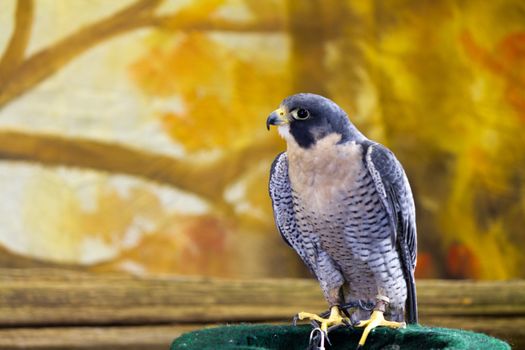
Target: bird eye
300, 114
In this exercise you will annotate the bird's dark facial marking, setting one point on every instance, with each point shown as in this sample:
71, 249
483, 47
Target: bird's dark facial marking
300, 129
313, 117
302, 135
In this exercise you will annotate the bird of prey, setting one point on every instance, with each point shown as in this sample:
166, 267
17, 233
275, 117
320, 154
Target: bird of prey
344, 204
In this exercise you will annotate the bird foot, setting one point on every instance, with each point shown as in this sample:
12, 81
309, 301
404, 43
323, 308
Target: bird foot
334, 319
376, 319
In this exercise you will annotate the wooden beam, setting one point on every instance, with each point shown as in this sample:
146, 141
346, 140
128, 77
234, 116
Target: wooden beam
92, 338
68, 309
48, 296
39, 297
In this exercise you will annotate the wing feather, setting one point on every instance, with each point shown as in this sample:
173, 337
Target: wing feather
392, 184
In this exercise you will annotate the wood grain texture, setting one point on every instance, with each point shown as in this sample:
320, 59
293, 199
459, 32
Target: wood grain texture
65, 297
45, 307
47, 296
100, 338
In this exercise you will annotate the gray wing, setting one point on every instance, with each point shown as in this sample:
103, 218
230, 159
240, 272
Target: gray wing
285, 216
392, 185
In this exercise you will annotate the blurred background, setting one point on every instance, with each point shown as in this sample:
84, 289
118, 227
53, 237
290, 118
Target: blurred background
132, 133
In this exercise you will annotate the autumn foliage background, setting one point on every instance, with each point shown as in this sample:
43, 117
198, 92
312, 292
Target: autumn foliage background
132, 133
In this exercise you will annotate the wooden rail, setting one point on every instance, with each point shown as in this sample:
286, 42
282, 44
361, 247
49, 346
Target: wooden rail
63, 309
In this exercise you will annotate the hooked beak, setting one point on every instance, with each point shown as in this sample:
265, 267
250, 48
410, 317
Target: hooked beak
277, 117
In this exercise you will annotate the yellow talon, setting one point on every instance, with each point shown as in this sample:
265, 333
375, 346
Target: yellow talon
335, 318
376, 319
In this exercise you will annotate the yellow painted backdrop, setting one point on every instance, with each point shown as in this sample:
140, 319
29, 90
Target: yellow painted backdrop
132, 132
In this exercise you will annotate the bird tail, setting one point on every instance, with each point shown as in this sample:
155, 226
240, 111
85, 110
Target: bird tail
411, 303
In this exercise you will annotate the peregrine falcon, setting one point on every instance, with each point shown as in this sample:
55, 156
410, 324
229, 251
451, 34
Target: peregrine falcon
344, 204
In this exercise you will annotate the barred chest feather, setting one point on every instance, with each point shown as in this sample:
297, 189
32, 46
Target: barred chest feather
322, 175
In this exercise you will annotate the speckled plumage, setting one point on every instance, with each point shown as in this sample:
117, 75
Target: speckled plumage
344, 204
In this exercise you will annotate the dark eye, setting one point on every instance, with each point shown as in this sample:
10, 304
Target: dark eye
300, 114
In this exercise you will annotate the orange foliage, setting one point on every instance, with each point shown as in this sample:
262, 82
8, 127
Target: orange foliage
186, 246
115, 213
425, 266
196, 10
507, 61
450, 103
196, 132
205, 250
222, 94
189, 66
462, 262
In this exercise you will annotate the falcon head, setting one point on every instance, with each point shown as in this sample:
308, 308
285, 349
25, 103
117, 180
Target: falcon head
306, 118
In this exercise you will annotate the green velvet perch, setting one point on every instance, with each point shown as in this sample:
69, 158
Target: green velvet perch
266, 337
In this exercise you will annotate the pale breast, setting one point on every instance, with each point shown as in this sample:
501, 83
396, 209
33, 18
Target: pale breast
324, 174
335, 200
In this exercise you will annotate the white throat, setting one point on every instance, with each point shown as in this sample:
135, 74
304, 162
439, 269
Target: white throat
284, 131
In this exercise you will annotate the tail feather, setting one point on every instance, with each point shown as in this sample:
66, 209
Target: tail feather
411, 303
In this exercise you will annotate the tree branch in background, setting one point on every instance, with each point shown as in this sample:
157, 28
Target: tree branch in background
13, 260
307, 45
219, 25
205, 179
44, 63
47, 61
16, 48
